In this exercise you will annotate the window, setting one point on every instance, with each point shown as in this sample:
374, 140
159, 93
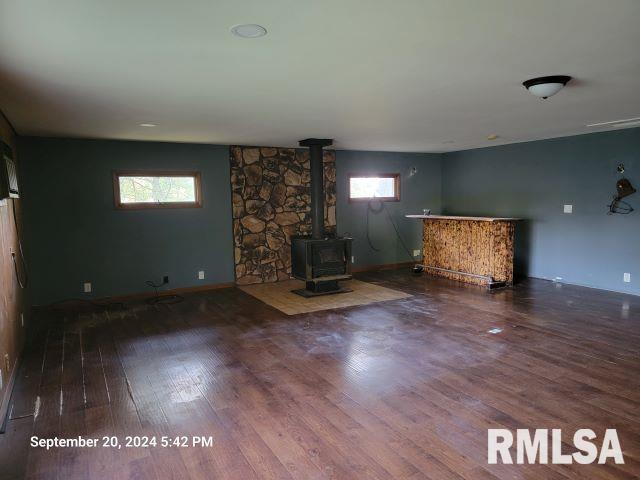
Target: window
153, 189
379, 186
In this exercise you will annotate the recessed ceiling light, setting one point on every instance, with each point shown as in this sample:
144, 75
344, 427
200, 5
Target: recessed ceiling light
627, 122
249, 30
493, 136
545, 87
148, 125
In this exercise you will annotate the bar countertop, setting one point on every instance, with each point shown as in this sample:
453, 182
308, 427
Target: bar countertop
454, 217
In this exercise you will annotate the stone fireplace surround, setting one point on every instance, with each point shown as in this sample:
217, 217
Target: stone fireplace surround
271, 202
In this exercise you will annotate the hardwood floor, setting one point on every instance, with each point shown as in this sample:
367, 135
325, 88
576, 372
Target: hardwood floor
395, 390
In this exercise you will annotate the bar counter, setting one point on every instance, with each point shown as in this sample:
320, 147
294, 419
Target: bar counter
477, 250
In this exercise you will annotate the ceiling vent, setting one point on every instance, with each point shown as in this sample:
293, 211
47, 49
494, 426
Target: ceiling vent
627, 122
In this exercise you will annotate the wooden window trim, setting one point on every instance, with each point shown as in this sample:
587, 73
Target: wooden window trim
396, 187
155, 173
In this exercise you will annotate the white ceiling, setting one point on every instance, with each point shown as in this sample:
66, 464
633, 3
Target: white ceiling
403, 75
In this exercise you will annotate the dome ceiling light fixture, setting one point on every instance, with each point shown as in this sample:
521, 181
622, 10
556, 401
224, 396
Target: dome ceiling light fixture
545, 87
249, 30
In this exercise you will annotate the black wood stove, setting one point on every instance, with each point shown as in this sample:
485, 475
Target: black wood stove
319, 260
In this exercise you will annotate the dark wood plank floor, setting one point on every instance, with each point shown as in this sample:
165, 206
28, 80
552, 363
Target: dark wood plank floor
401, 389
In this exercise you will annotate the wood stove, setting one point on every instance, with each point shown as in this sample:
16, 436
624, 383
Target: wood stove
319, 260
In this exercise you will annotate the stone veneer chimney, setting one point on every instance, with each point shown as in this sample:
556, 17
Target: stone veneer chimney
271, 200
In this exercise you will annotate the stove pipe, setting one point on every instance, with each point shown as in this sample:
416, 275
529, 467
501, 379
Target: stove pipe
317, 182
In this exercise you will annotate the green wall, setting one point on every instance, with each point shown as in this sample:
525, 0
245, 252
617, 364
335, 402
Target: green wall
74, 234
534, 180
418, 191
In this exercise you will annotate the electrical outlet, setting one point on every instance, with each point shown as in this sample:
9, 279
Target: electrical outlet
353, 259
86, 288
568, 209
201, 275
165, 279
627, 277
416, 253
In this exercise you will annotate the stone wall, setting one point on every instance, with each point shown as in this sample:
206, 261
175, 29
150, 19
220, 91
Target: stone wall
271, 202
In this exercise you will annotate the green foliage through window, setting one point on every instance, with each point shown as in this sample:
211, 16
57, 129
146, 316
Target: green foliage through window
151, 189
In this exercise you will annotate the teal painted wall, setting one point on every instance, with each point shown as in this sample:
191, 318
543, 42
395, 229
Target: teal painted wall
74, 234
418, 191
534, 180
